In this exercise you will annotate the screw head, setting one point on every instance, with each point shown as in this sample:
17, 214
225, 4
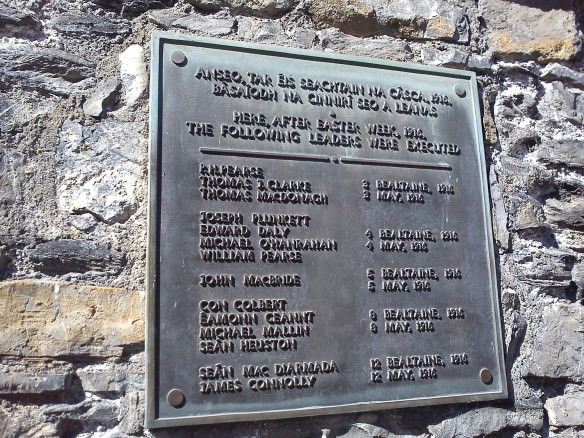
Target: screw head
459, 90
179, 58
176, 398
486, 376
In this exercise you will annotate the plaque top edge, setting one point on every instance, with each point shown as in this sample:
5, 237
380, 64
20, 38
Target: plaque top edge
163, 37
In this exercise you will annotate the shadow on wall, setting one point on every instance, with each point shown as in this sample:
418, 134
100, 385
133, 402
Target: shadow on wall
545, 5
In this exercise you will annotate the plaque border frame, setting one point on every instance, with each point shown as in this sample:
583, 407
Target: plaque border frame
159, 38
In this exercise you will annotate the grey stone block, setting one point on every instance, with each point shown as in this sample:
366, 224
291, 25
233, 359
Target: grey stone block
568, 213
19, 23
47, 69
558, 348
449, 58
132, 413
90, 24
28, 384
103, 98
557, 72
563, 153
61, 256
259, 8
133, 7
98, 169
566, 410
485, 421
204, 24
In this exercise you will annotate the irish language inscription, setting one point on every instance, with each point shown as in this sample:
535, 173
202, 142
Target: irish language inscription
320, 237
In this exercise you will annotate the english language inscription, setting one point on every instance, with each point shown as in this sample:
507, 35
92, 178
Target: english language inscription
320, 238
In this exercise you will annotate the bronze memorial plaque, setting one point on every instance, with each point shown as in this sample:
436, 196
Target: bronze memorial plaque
320, 237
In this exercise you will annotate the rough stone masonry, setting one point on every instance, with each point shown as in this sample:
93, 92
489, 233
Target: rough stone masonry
73, 170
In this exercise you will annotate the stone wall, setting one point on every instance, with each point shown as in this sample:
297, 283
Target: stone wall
73, 171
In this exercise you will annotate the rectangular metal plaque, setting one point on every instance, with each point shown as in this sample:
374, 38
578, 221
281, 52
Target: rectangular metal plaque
320, 236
